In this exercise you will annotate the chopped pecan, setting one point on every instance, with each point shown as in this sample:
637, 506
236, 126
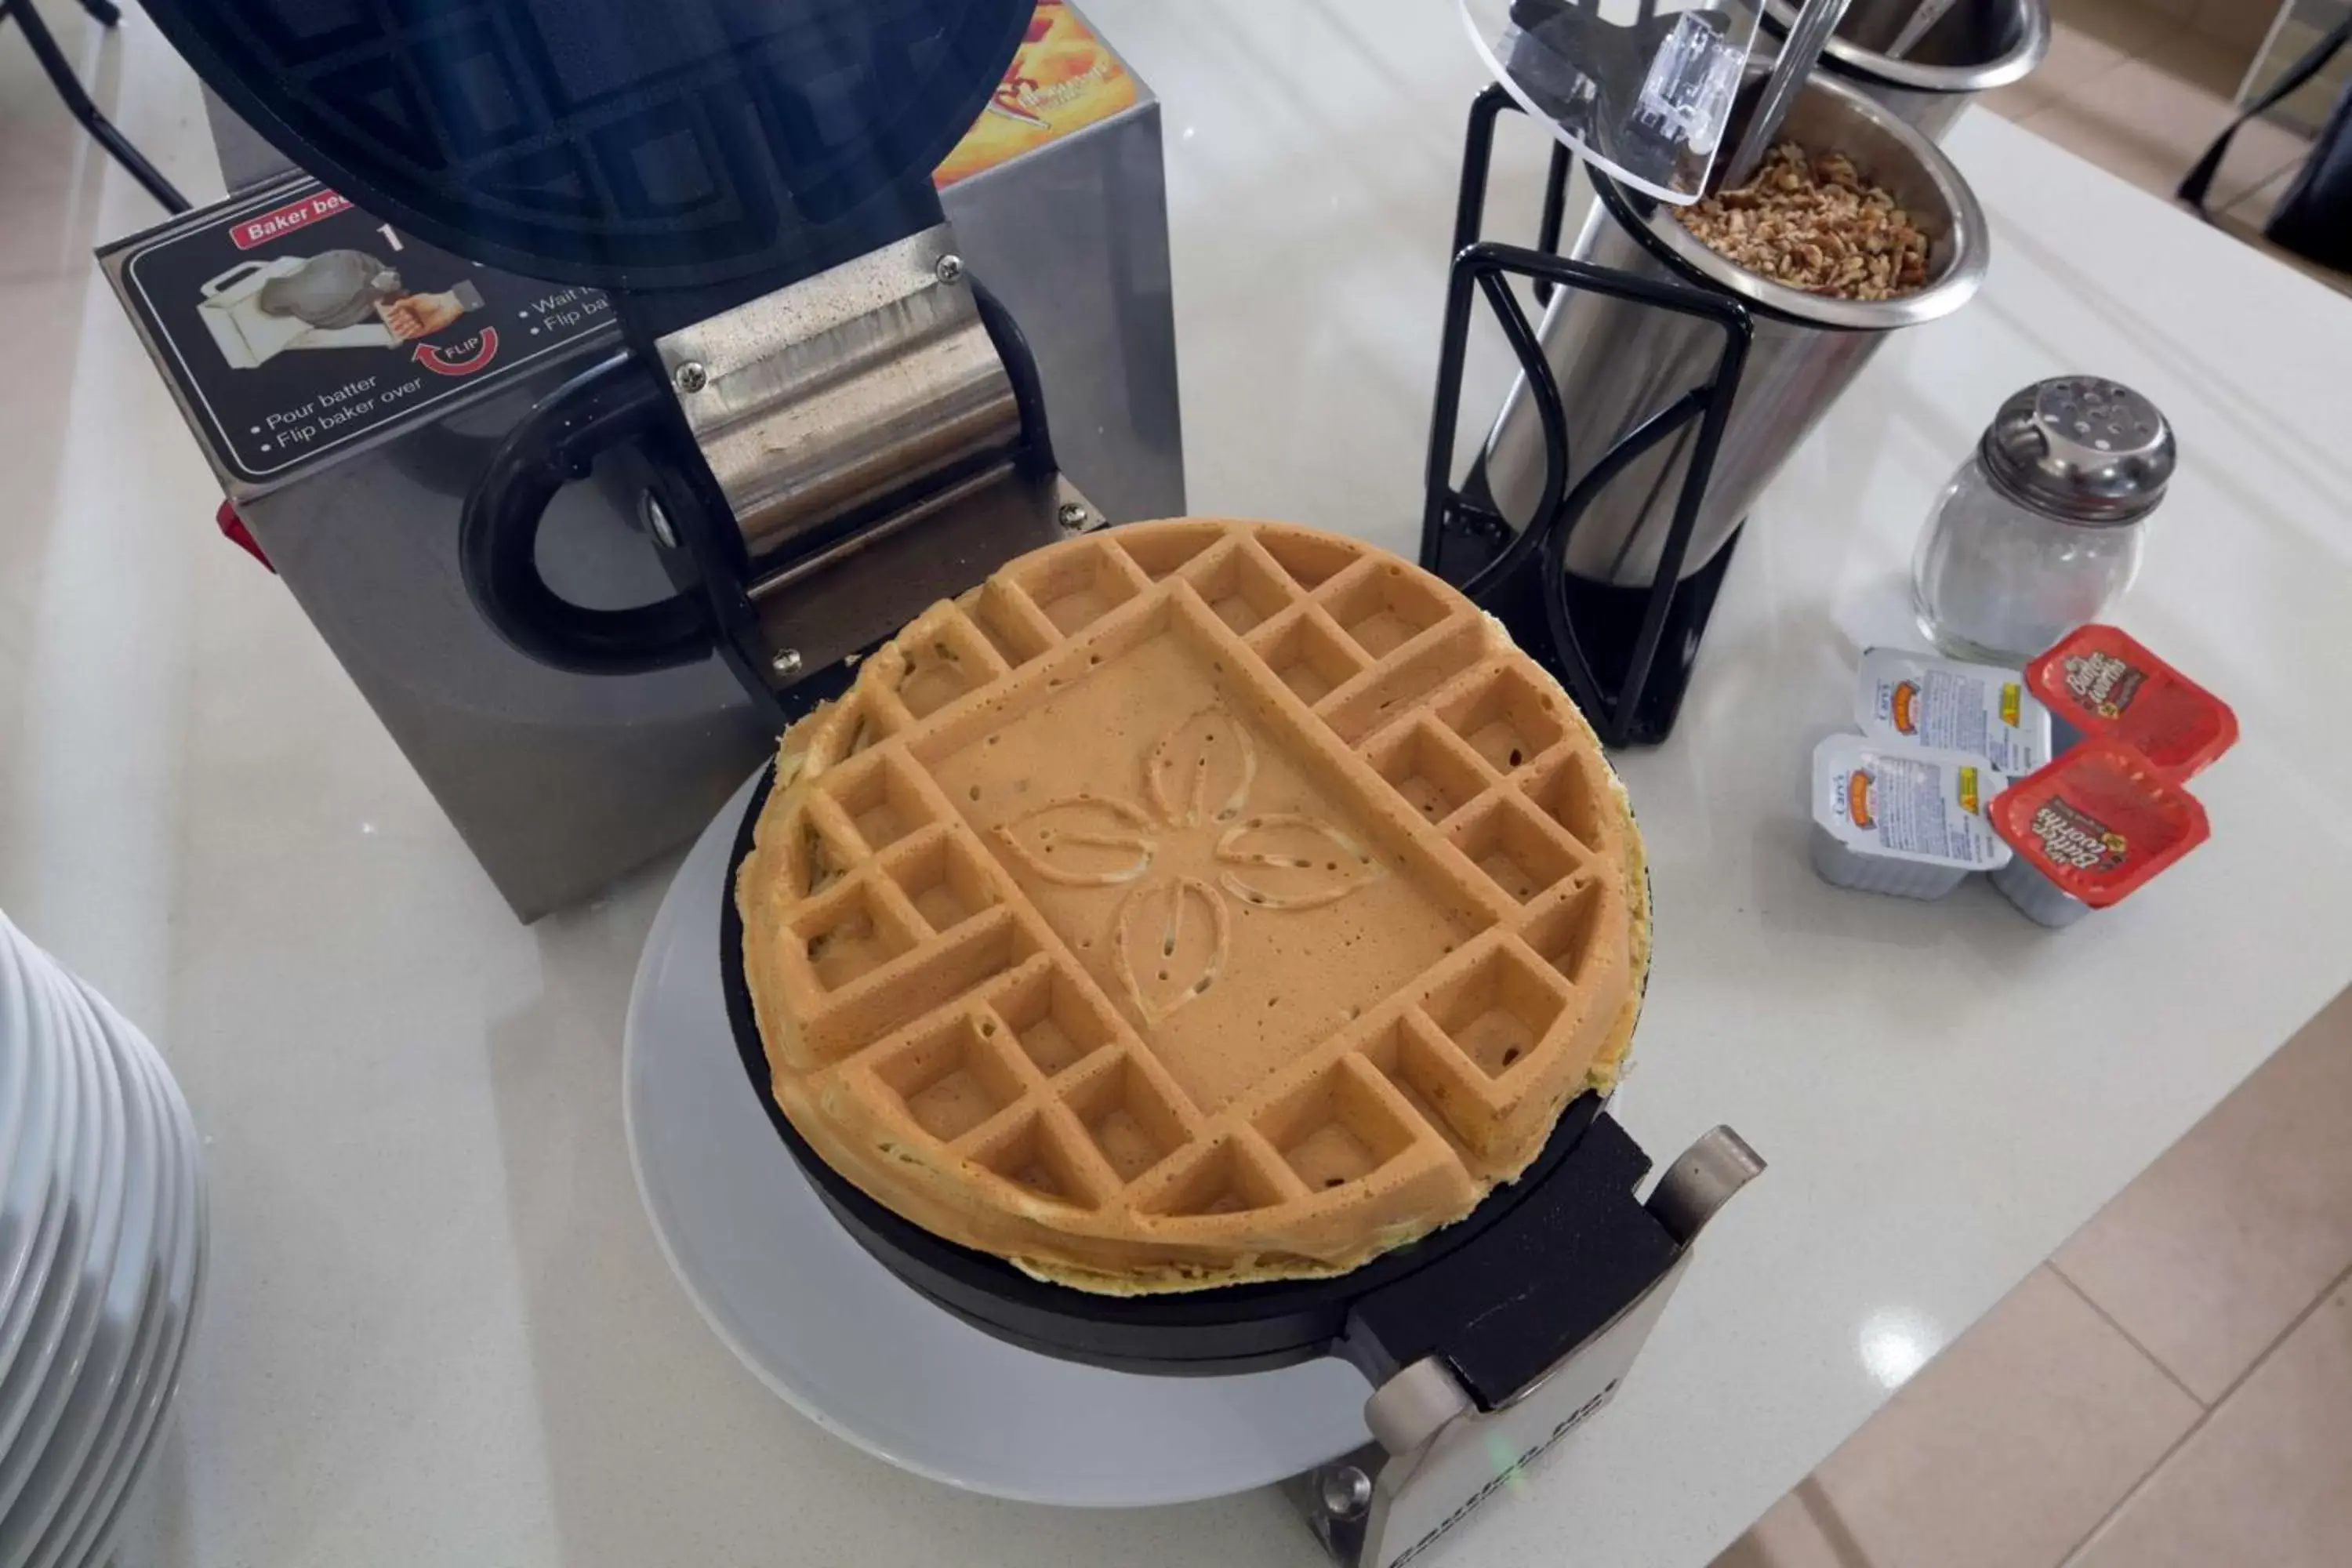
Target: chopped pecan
1815, 224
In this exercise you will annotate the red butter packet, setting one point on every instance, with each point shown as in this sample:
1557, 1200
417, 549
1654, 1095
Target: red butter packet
2099, 822
2101, 682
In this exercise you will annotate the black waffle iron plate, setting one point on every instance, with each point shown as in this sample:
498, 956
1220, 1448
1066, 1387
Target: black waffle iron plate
1503, 1293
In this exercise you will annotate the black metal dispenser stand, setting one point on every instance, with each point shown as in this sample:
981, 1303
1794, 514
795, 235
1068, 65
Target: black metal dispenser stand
1602, 641
77, 102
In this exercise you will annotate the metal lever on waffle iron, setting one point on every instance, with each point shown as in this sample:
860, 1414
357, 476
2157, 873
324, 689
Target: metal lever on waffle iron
791, 436
614, 402
1480, 1367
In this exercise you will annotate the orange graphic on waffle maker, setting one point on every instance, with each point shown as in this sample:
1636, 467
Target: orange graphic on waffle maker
1063, 79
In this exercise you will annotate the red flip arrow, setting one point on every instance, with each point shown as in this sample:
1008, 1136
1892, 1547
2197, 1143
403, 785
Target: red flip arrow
431, 358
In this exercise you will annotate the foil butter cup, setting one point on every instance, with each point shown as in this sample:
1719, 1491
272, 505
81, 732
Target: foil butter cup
2091, 829
2102, 683
1902, 819
2036, 896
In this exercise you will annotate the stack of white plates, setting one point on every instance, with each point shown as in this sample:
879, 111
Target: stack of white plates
101, 1256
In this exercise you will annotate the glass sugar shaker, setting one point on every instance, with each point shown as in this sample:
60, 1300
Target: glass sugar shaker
2042, 528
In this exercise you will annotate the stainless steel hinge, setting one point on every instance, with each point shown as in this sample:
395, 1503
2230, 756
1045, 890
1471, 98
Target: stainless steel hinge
871, 443
1436, 1457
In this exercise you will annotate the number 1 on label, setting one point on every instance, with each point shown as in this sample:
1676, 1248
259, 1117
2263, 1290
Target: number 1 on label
389, 237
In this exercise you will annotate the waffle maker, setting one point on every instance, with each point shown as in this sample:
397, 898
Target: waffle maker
829, 424
827, 421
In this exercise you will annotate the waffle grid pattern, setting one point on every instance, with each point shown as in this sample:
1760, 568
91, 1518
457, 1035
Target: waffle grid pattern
642, 145
930, 1031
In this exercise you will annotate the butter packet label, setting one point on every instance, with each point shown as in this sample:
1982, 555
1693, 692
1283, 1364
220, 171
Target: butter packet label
1908, 801
1942, 703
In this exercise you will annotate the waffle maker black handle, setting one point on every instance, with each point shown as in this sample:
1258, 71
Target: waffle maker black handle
1542, 1280
589, 417
618, 411
1501, 1294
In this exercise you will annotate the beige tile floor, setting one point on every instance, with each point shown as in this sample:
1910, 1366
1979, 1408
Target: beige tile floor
2142, 87
2173, 1388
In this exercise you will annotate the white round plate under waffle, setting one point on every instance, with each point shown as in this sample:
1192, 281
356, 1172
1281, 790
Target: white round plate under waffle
861, 1353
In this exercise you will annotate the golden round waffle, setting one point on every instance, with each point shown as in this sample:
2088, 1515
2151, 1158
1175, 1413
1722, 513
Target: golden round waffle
1193, 903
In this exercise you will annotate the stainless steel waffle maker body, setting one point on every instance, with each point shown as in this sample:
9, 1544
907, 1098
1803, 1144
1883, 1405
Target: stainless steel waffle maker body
349, 468
824, 418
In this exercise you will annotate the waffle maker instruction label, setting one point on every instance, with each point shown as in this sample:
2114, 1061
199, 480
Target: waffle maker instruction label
292, 325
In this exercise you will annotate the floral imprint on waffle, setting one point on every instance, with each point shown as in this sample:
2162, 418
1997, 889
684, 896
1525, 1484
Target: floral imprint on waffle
1173, 931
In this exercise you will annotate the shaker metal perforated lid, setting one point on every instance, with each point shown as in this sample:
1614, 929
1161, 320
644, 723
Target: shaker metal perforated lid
2082, 448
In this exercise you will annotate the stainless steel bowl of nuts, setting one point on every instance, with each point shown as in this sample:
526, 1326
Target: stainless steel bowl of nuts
1876, 210
1839, 130
1814, 223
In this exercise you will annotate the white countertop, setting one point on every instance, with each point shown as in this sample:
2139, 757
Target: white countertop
439, 1328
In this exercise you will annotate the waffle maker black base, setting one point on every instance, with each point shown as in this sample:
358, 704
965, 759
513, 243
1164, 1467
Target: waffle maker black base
1503, 1293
